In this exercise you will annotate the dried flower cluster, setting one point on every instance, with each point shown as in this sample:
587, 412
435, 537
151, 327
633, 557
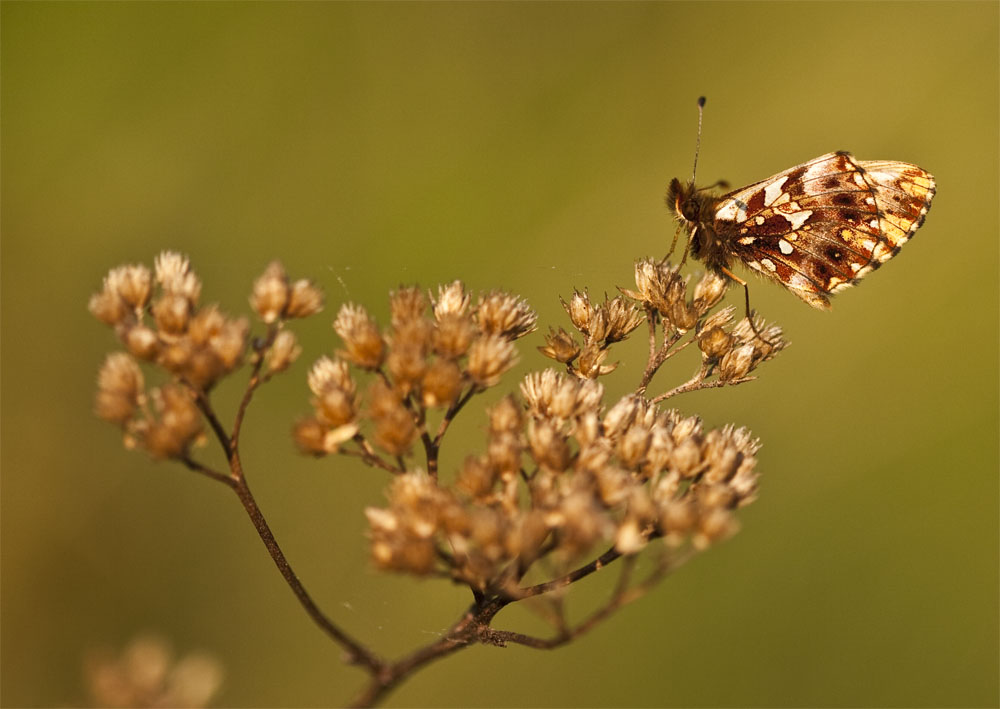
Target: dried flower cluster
157, 317
562, 474
435, 355
562, 477
146, 674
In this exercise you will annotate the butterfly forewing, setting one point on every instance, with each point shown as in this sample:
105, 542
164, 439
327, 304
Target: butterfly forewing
820, 226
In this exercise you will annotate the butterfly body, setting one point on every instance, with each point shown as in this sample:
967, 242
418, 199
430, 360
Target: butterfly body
816, 228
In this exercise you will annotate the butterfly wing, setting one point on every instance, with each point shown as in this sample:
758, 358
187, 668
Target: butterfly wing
819, 227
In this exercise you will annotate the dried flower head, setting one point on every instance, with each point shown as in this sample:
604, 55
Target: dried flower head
270, 293
362, 341
615, 479
452, 301
174, 274
304, 299
504, 314
120, 388
560, 346
489, 357
146, 674
407, 304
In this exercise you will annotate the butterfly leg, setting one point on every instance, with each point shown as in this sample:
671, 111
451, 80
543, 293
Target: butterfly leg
673, 244
687, 247
746, 296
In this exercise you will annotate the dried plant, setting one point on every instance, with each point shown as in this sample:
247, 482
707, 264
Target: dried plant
146, 674
565, 484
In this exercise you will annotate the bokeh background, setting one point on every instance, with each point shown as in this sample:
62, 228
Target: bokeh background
524, 146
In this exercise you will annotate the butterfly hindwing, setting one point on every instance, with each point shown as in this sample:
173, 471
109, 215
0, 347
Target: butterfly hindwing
819, 227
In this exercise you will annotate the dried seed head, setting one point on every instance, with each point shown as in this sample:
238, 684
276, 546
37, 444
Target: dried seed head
174, 274
283, 352
505, 416
766, 341
629, 538
720, 318
560, 346
452, 301
713, 526
229, 342
394, 426
551, 394
658, 284
548, 446
708, 292
304, 299
406, 360
363, 343
633, 446
580, 311
441, 384
714, 343
309, 435
133, 283
489, 357
591, 364
120, 388
171, 313
621, 416
737, 363
335, 407
205, 324
406, 305
681, 315
453, 335
477, 477
327, 373
176, 425
622, 318
505, 314
685, 428
108, 307
503, 451
142, 342
270, 293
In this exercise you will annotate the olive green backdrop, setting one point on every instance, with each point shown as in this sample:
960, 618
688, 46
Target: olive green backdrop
525, 146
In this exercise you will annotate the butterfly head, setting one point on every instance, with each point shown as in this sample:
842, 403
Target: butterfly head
683, 199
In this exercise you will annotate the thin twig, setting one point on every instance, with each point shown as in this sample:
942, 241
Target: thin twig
205, 406
205, 470
596, 565
368, 455
358, 653
697, 383
452, 412
255, 381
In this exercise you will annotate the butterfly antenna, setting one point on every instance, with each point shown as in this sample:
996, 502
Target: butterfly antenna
697, 146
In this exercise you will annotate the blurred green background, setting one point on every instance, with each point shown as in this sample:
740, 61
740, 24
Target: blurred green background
524, 146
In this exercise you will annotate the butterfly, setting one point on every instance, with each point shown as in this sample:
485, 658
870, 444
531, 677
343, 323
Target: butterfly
816, 228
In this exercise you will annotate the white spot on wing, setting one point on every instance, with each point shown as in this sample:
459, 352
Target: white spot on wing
769, 264
798, 218
785, 247
746, 240
732, 210
800, 282
773, 190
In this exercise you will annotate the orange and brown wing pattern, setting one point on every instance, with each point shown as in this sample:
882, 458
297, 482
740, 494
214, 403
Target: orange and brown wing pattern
819, 227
